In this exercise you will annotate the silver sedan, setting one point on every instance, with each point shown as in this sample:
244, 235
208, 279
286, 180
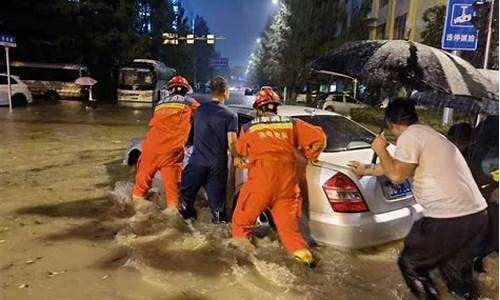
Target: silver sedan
340, 209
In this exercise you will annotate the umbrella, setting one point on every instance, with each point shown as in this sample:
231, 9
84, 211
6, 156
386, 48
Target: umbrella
383, 64
466, 104
86, 81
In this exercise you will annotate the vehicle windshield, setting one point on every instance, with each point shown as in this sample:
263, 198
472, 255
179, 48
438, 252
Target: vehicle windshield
342, 134
136, 79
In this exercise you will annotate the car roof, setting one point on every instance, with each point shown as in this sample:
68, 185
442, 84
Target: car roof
284, 110
299, 110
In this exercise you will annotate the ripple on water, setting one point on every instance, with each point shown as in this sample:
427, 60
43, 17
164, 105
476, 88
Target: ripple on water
198, 261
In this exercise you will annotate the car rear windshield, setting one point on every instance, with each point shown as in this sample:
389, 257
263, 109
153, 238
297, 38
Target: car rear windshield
342, 134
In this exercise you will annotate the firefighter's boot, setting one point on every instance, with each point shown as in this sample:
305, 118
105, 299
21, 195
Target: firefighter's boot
305, 256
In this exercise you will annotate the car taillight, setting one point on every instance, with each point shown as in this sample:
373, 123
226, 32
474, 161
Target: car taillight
344, 195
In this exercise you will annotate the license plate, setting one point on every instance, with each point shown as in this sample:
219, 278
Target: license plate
393, 191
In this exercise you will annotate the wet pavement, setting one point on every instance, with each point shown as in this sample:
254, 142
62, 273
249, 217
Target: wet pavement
67, 229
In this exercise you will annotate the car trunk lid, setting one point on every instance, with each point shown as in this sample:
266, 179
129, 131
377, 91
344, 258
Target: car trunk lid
379, 193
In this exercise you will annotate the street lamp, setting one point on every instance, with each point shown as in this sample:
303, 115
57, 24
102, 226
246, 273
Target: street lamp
258, 40
275, 2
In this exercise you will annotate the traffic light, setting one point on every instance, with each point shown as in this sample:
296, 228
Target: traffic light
171, 38
210, 39
190, 38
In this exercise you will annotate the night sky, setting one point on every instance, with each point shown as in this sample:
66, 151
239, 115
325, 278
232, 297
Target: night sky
239, 21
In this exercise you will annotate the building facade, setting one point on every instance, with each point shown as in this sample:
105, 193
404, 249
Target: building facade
399, 19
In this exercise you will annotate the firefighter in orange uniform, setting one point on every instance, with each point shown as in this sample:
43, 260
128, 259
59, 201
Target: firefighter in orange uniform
270, 141
163, 148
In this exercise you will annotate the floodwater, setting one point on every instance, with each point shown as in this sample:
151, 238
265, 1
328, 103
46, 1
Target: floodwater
68, 231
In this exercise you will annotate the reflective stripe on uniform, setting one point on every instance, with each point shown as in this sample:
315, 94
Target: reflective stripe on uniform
173, 105
264, 126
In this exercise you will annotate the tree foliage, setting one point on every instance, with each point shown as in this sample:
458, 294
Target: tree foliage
101, 34
204, 51
434, 20
300, 32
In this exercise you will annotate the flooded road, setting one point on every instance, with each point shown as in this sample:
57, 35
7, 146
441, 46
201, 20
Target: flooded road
67, 229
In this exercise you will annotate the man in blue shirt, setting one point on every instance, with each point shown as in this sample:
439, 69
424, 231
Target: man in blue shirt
214, 133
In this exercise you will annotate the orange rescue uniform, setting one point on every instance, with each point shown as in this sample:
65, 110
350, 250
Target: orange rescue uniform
270, 143
164, 145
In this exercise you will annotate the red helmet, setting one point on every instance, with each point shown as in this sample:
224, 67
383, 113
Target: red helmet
178, 81
266, 96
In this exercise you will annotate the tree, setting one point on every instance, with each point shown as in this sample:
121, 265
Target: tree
101, 34
299, 33
434, 20
180, 57
96, 33
482, 21
204, 51
273, 47
256, 74
358, 28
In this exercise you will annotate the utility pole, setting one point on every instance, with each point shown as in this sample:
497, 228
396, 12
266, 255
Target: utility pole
488, 40
7, 58
8, 41
447, 119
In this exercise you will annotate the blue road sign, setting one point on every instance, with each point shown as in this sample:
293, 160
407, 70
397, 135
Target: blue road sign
459, 32
7, 40
219, 62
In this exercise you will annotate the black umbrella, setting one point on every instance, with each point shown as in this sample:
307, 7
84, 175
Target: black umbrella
382, 64
466, 104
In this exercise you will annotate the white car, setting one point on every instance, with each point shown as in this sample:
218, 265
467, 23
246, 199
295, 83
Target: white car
341, 104
340, 209
20, 93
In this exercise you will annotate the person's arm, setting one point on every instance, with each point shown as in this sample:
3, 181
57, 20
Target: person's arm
396, 170
240, 150
364, 170
195, 105
231, 142
310, 139
232, 129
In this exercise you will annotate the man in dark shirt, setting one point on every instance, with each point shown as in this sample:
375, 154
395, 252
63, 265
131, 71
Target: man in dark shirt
214, 133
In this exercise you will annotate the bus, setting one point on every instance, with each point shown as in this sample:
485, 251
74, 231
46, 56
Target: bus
143, 80
54, 81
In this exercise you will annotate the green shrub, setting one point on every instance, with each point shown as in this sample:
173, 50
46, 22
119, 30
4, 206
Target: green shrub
373, 118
